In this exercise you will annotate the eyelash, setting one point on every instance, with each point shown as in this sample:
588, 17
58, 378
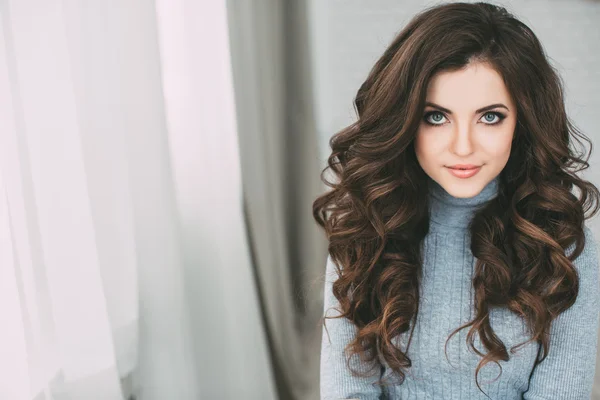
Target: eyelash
499, 115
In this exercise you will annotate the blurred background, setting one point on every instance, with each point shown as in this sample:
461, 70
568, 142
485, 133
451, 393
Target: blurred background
158, 163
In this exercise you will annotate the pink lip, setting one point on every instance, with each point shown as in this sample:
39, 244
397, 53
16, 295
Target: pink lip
464, 171
464, 166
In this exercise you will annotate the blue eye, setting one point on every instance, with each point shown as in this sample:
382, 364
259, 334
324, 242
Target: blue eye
436, 121
490, 118
493, 114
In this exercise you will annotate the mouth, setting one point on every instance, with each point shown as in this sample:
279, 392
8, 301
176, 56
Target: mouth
463, 166
464, 170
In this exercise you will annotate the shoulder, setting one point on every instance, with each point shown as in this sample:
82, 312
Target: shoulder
588, 259
590, 242
331, 275
587, 266
330, 269
583, 313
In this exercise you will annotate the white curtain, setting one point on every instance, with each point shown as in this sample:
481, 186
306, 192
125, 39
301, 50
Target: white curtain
124, 265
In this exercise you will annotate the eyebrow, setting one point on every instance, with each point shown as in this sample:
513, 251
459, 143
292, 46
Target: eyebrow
486, 108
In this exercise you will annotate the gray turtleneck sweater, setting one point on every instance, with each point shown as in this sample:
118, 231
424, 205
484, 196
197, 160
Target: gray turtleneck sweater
446, 303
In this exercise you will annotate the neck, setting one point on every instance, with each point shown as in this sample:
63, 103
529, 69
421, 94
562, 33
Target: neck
448, 211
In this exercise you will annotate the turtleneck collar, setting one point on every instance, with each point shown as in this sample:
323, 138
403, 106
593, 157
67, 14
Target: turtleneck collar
448, 211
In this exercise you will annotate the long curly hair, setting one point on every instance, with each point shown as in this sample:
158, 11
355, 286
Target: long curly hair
376, 213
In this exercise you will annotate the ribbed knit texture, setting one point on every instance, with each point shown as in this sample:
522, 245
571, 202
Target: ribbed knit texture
446, 303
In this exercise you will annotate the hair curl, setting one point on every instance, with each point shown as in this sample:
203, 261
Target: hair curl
376, 217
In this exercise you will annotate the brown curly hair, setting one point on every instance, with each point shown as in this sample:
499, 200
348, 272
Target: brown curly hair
376, 218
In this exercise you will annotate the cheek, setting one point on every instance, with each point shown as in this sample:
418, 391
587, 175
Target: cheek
498, 146
426, 148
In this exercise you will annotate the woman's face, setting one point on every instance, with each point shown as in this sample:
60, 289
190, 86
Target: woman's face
469, 119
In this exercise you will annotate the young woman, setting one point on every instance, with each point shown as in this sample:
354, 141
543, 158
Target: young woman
460, 265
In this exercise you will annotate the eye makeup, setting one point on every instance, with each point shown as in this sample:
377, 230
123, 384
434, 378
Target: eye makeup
500, 116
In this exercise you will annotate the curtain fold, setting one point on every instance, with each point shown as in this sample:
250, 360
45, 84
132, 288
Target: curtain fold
280, 174
125, 266
78, 342
229, 341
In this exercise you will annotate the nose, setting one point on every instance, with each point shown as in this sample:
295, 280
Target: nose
462, 141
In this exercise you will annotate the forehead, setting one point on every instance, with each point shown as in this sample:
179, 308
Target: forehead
474, 86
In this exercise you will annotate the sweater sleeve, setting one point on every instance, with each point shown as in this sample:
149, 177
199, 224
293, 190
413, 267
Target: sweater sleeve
568, 370
336, 381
